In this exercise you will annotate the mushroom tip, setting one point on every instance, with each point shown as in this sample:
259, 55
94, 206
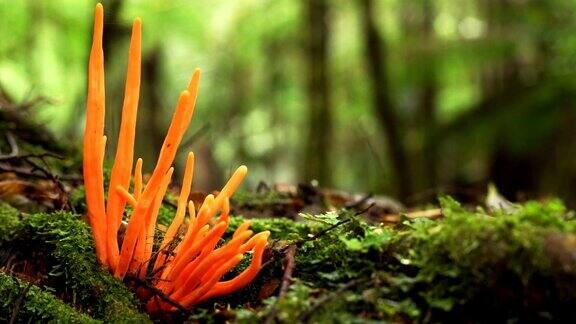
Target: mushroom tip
137, 22
99, 11
243, 169
185, 94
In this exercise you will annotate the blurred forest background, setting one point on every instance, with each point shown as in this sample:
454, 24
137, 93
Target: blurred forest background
402, 98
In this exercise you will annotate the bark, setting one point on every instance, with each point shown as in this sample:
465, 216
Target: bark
319, 106
383, 104
150, 112
428, 94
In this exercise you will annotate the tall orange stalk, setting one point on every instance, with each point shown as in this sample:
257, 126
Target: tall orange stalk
192, 272
93, 143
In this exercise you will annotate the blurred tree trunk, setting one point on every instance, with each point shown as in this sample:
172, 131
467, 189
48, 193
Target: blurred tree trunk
240, 89
207, 175
416, 19
502, 73
383, 105
510, 171
151, 115
115, 31
428, 94
274, 50
318, 141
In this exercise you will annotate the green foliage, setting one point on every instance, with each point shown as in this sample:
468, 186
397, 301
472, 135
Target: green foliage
78, 199
78, 196
9, 218
280, 228
518, 264
482, 67
256, 199
500, 261
30, 304
72, 264
166, 214
297, 300
341, 254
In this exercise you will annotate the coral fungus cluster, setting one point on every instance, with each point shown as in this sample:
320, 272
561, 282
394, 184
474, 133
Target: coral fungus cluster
190, 261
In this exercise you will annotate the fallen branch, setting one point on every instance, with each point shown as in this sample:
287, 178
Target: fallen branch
286, 281
18, 302
35, 171
157, 293
395, 218
41, 156
306, 315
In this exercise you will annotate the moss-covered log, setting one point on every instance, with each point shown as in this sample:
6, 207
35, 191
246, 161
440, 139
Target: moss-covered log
57, 250
470, 265
27, 303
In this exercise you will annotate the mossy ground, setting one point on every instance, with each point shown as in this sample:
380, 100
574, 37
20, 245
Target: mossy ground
469, 266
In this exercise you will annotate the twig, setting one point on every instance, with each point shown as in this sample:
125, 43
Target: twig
18, 302
13, 156
321, 233
64, 203
13, 145
359, 202
157, 293
314, 237
306, 315
71, 177
24, 172
20, 123
196, 136
332, 227
286, 281
429, 213
25, 157
169, 203
287, 277
274, 252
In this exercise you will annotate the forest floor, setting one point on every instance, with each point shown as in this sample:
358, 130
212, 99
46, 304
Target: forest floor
332, 256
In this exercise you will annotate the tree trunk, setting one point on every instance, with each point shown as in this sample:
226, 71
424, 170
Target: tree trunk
427, 98
150, 141
319, 114
383, 105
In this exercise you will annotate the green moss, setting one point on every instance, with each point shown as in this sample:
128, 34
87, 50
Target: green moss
280, 228
252, 198
9, 218
516, 265
78, 200
297, 300
519, 266
32, 304
72, 264
166, 215
78, 196
347, 252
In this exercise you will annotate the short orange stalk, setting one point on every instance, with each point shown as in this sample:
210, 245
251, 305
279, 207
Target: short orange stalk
191, 273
